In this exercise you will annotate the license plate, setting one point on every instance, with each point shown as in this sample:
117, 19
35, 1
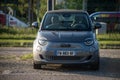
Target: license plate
65, 53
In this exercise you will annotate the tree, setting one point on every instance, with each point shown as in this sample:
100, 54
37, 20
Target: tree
43, 8
39, 9
74, 4
70, 4
102, 5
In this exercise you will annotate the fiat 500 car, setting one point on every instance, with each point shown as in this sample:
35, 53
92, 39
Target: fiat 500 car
66, 37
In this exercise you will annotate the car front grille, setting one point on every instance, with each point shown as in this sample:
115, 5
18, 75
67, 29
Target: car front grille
64, 57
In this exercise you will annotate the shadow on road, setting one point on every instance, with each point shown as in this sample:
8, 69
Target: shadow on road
109, 67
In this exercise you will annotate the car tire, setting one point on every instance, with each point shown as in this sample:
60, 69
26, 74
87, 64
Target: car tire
95, 66
37, 66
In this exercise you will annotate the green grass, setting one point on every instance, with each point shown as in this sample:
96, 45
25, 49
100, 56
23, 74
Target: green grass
109, 44
18, 36
26, 56
109, 41
17, 30
109, 37
15, 43
7, 57
12, 40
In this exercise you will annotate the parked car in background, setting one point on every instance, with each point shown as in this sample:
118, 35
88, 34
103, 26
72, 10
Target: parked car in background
66, 37
111, 18
35, 24
9, 20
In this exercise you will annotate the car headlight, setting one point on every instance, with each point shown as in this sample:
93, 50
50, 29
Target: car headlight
88, 41
42, 42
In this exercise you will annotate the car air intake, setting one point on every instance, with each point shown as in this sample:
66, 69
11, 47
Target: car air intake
65, 45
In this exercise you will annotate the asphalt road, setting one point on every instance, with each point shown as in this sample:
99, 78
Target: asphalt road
17, 69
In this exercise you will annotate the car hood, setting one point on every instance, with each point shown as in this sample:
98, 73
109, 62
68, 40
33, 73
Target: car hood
64, 36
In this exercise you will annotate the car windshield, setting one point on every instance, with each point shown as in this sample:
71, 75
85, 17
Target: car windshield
66, 22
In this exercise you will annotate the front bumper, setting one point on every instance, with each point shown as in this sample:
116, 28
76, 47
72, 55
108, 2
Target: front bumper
48, 54
78, 59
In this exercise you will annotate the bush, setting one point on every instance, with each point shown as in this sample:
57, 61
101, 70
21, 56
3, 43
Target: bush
17, 30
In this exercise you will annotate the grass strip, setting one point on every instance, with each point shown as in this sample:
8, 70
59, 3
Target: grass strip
26, 56
18, 36
109, 44
7, 57
16, 43
109, 37
12, 40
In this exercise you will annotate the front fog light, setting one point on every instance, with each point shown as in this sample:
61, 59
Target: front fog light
92, 49
88, 41
39, 48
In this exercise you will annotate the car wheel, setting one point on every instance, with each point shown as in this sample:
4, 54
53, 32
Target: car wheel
95, 66
37, 66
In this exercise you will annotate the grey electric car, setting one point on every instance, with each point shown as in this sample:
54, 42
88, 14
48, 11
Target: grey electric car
66, 37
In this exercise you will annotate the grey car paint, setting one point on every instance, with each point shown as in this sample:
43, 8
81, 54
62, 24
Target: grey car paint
56, 47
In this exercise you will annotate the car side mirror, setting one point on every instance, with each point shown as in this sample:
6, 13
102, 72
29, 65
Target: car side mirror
97, 25
35, 24
92, 18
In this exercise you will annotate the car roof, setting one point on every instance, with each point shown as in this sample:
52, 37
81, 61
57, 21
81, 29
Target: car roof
66, 10
98, 13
